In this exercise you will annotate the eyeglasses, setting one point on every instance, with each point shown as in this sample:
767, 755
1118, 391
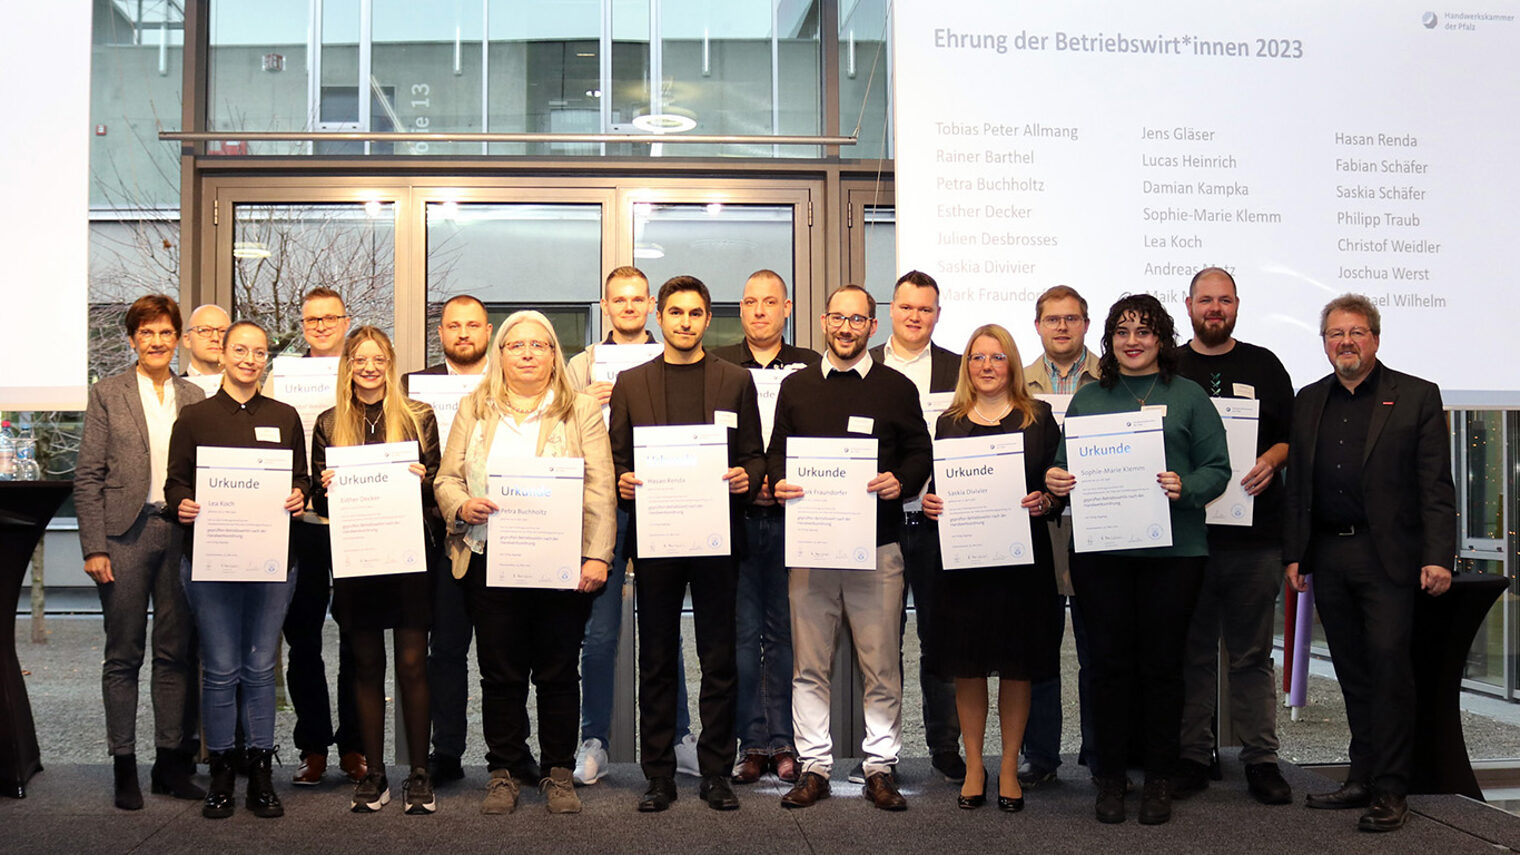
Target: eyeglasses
241, 352
1055, 321
323, 321
1355, 333
209, 332
519, 347
981, 358
146, 335
834, 320
379, 362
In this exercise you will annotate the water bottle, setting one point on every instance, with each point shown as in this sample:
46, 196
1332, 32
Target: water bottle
27, 467
7, 452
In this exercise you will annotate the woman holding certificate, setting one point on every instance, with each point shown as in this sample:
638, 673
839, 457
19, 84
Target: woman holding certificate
524, 418
371, 409
997, 620
238, 613
1138, 602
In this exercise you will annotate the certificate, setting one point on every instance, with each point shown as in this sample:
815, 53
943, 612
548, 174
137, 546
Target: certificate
1058, 405
374, 508
1241, 420
981, 479
833, 525
613, 359
1116, 503
442, 392
534, 539
682, 506
767, 389
310, 384
242, 533
932, 405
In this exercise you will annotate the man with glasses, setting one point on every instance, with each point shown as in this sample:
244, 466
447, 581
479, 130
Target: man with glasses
1244, 573
912, 351
1371, 512
464, 332
851, 394
764, 643
1064, 366
324, 323
203, 338
684, 387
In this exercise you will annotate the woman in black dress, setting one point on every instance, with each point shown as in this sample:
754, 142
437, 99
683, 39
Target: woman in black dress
997, 620
371, 409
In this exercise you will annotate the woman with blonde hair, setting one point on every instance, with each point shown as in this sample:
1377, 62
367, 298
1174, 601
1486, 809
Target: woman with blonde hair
526, 407
370, 409
996, 620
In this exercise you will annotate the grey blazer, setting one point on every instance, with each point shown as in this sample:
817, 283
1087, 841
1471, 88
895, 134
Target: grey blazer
112, 472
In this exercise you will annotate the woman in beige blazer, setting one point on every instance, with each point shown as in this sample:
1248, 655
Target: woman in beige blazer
526, 407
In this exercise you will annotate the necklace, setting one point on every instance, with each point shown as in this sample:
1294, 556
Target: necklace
374, 425
1003, 411
1148, 390
533, 405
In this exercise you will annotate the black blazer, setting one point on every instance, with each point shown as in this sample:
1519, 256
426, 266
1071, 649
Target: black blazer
944, 366
1406, 476
638, 399
440, 368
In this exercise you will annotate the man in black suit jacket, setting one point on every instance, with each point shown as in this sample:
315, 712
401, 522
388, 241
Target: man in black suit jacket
911, 350
464, 332
686, 387
1371, 512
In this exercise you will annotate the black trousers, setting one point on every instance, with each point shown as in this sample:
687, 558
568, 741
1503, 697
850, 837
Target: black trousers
306, 672
660, 585
448, 663
522, 635
1137, 612
1368, 620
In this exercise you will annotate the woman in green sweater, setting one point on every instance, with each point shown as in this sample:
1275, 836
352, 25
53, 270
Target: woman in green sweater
1137, 603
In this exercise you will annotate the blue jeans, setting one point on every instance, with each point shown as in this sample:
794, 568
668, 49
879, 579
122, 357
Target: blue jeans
239, 625
600, 648
764, 638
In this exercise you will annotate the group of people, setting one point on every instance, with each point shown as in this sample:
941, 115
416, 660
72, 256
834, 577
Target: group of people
1351, 481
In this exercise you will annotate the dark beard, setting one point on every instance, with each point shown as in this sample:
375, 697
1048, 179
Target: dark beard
1213, 337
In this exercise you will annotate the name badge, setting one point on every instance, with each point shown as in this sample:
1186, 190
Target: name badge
861, 424
1245, 390
266, 434
1155, 408
726, 418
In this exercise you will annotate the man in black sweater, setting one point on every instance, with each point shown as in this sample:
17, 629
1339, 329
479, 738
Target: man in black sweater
851, 394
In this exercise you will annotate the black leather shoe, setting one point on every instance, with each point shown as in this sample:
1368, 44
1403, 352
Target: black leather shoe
661, 792
881, 790
1110, 806
1389, 812
220, 803
1033, 776
718, 794
1010, 805
261, 799
965, 802
1352, 794
809, 790
171, 776
124, 772
1266, 783
444, 769
1190, 777
949, 764
1156, 801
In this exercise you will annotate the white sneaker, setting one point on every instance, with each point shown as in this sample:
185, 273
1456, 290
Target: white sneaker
590, 762
686, 757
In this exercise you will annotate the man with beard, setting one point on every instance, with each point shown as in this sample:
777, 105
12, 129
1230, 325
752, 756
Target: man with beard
464, 331
1243, 575
851, 394
685, 387
1371, 512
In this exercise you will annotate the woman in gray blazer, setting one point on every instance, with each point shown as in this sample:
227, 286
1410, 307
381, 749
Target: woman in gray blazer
132, 550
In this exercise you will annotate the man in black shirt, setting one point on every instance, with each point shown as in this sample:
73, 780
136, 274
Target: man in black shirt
764, 631
686, 388
851, 394
1371, 512
1244, 572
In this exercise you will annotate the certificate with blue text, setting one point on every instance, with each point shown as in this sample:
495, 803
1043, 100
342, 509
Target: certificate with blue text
534, 538
242, 533
442, 392
1117, 502
681, 509
374, 510
833, 525
310, 384
1241, 417
981, 481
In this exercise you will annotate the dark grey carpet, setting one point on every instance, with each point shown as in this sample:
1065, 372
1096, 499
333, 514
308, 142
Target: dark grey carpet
68, 809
